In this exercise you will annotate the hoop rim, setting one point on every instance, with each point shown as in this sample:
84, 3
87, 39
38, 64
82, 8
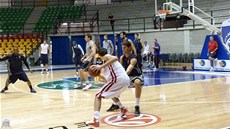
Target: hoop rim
163, 12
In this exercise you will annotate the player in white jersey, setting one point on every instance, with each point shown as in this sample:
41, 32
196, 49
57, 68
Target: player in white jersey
117, 81
146, 51
44, 52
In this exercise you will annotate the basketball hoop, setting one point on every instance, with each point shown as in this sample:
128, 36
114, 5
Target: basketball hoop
162, 13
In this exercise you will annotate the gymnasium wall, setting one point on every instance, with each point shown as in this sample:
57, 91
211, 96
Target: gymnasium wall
171, 41
178, 41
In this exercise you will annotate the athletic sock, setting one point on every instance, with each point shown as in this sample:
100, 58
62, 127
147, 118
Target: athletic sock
119, 104
137, 101
96, 115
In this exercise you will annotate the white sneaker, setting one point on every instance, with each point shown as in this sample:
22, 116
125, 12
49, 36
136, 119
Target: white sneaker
87, 87
211, 69
77, 86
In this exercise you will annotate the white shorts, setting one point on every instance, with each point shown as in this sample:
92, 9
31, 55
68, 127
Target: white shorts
146, 52
113, 88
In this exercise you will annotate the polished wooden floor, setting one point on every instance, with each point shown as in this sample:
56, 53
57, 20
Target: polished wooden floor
201, 104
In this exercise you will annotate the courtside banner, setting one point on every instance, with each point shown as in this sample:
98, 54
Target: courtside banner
226, 33
222, 65
201, 64
204, 64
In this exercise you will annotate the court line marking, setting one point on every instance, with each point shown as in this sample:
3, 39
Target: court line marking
51, 97
166, 78
204, 72
132, 102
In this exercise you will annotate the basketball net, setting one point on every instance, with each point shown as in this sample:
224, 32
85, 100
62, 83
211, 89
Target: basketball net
162, 13
162, 16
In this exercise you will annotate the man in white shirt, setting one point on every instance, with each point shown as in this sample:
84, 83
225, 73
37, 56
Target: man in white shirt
146, 51
107, 44
44, 51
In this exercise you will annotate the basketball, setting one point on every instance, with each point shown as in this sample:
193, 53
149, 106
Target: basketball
93, 73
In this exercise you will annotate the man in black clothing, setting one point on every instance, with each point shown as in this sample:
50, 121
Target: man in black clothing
77, 55
15, 70
111, 21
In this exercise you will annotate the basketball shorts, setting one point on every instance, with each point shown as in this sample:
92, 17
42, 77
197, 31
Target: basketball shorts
133, 78
113, 88
213, 55
77, 61
44, 59
22, 76
85, 66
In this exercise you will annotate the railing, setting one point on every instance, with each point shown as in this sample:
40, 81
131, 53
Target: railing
210, 17
37, 3
126, 24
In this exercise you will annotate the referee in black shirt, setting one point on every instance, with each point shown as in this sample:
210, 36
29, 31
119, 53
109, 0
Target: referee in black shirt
15, 70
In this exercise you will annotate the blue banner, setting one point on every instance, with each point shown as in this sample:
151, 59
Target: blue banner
226, 34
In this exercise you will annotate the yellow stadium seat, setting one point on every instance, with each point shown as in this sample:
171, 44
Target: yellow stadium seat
9, 52
10, 41
27, 40
22, 40
15, 43
2, 51
5, 40
16, 40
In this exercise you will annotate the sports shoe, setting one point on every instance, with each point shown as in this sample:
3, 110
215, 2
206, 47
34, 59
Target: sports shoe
77, 86
33, 91
148, 64
93, 122
44, 72
4, 89
137, 111
87, 87
211, 69
123, 111
113, 108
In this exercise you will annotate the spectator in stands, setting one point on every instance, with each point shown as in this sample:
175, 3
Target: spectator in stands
15, 70
44, 52
108, 45
111, 21
77, 55
212, 51
146, 51
156, 47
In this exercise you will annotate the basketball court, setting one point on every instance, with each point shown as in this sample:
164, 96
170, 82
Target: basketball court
171, 98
